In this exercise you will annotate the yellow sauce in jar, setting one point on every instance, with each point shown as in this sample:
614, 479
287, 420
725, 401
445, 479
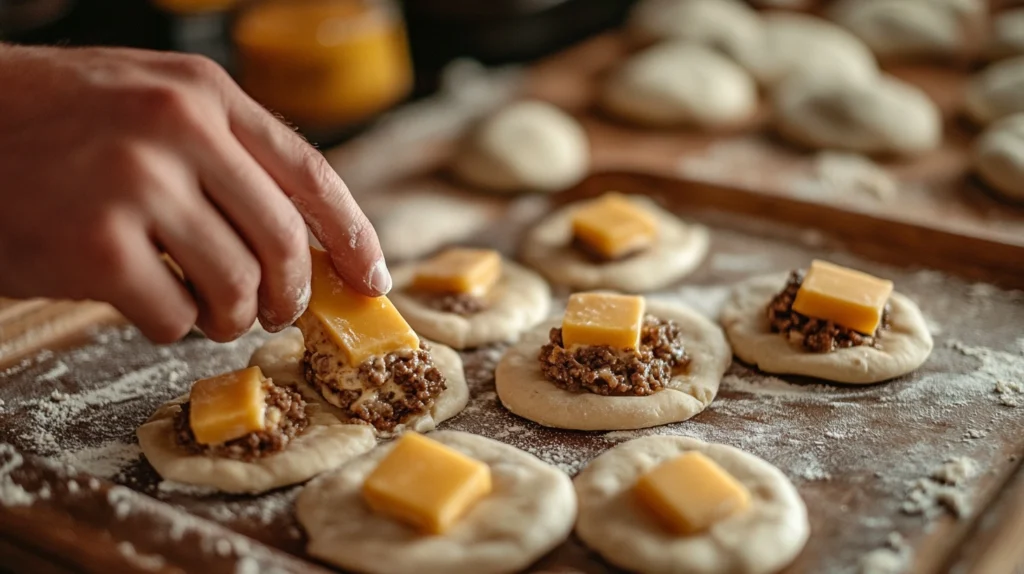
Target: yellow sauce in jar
323, 63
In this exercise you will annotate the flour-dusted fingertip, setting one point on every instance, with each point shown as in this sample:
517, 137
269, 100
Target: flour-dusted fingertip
379, 279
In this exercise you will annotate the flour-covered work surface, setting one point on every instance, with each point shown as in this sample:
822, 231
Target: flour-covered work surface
891, 474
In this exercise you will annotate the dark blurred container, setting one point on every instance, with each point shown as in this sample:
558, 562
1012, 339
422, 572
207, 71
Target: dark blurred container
500, 31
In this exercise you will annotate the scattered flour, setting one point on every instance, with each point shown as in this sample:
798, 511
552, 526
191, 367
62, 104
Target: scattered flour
893, 558
138, 560
1004, 369
846, 176
956, 471
12, 493
944, 489
104, 461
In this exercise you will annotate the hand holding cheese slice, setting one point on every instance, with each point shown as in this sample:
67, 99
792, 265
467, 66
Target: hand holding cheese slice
613, 227
846, 297
426, 484
603, 319
361, 326
228, 406
691, 493
460, 271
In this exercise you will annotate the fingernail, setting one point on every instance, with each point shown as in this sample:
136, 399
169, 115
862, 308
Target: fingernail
380, 279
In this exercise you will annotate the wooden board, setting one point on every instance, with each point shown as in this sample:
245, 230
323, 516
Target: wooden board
852, 451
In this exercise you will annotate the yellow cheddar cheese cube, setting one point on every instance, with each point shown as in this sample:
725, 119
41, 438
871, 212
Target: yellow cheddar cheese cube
603, 319
690, 493
613, 226
426, 484
361, 326
459, 270
846, 297
228, 406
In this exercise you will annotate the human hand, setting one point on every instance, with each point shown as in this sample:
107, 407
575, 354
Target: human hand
109, 157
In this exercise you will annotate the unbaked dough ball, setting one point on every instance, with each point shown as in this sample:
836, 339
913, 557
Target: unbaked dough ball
527, 146
880, 117
681, 83
1006, 37
725, 25
903, 29
999, 156
997, 91
796, 44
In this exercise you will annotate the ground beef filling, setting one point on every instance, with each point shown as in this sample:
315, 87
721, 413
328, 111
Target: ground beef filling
464, 304
817, 335
285, 418
615, 372
384, 391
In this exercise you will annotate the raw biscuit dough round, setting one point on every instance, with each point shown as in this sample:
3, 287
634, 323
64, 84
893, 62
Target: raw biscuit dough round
281, 356
794, 44
529, 512
525, 391
519, 300
761, 540
724, 25
903, 348
887, 116
904, 29
1006, 37
678, 250
999, 156
680, 83
325, 445
526, 146
997, 91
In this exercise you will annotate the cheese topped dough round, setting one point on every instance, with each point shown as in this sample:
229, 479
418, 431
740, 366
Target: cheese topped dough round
911, 29
723, 25
529, 512
762, 539
519, 300
902, 348
680, 83
526, 146
886, 116
678, 249
997, 91
999, 156
524, 390
281, 358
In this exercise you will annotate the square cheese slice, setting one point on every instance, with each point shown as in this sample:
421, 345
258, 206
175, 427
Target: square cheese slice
690, 493
459, 270
603, 319
227, 406
613, 226
846, 297
426, 484
361, 326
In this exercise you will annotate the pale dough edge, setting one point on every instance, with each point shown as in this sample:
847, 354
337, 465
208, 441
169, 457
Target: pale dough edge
904, 347
524, 390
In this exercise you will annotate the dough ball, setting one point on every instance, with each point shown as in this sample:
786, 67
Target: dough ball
907, 29
724, 25
1006, 36
999, 156
762, 539
527, 146
681, 83
885, 116
797, 44
997, 91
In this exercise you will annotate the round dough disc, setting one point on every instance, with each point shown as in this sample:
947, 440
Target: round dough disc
997, 91
280, 358
678, 250
527, 146
525, 391
529, 511
903, 29
325, 445
678, 83
794, 44
519, 300
887, 116
999, 156
761, 540
903, 348
724, 25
